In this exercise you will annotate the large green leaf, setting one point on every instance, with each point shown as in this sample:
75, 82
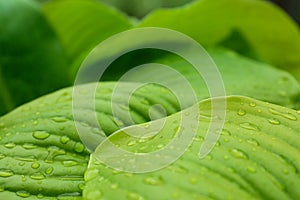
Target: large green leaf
241, 75
41, 153
32, 61
82, 24
256, 157
267, 29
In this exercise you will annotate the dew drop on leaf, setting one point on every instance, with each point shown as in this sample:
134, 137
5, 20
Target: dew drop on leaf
59, 119
64, 139
69, 163
29, 146
241, 112
49, 170
10, 145
6, 173
249, 126
274, 121
40, 135
2, 156
23, 194
37, 176
238, 154
253, 141
35, 165
79, 147
288, 116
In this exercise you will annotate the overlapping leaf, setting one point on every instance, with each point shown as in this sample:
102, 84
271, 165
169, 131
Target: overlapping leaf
256, 157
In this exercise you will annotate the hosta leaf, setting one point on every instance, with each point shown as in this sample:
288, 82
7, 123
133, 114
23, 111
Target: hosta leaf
266, 28
244, 76
30, 55
256, 157
41, 154
82, 24
241, 75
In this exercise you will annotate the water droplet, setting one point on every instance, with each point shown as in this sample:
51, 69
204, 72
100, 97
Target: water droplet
226, 139
209, 157
114, 186
153, 181
238, 154
35, 122
226, 157
241, 112
23, 194
26, 159
10, 145
252, 141
160, 146
131, 143
22, 163
249, 126
59, 119
37, 176
69, 163
40, 196
252, 104
288, 116
40, 135
251, 169
29, 146
35, 165
64, 139
2, 156
285, 171
225, 132
79, 147
49, 170
81, 186
274, 121
6, 173
134, 196
23, 178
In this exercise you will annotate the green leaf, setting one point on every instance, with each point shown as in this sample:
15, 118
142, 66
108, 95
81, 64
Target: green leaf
256, 157
266, 28
40, 150
241, 75
32, 61
82, 24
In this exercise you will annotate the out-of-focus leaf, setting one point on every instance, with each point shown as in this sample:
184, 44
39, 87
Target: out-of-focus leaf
32, 61
82, 24
241, 75
269, 31
251, 160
